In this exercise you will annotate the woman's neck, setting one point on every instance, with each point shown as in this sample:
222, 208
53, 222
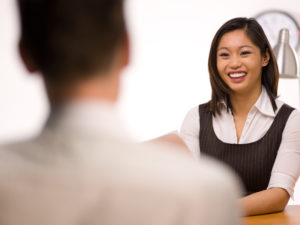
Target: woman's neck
242, 103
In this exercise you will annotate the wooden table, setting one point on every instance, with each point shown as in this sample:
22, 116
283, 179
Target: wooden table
290, 216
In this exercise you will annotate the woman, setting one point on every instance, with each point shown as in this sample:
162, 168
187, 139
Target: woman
244, 124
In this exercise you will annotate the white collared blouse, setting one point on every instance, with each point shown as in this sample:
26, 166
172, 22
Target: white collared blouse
286, 168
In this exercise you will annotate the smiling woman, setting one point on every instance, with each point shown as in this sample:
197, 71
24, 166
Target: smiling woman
245, 125
239, 63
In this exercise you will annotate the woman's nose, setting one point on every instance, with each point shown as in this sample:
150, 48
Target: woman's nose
235, 62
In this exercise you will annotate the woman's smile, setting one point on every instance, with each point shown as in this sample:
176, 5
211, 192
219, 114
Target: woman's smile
239, 62
237, 76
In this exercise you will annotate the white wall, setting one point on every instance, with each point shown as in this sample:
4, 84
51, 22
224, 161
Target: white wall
170, 41
22, 99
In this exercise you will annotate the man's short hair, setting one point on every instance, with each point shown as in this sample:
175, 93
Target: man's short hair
68, 39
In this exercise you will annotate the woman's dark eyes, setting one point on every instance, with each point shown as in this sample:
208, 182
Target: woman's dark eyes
224, 54
245, 53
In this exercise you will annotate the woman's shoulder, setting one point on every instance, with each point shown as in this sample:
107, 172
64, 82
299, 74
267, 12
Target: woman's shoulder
295, 114
204, 107
194, 111
206, 104
192, 117
280, 104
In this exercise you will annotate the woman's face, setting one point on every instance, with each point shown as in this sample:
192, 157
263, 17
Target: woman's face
240, 62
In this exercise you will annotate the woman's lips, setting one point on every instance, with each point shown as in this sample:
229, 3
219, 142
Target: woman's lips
237, 76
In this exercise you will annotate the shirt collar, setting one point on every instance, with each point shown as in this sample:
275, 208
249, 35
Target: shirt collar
93, 117
263, 104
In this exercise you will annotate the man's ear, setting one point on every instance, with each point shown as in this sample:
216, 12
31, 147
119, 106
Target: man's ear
27, 60
126, 50
266, 59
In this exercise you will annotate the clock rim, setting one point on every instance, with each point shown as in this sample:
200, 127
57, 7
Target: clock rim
291, 17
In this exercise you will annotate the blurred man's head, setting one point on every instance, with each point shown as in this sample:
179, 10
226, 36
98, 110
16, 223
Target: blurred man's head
72, 41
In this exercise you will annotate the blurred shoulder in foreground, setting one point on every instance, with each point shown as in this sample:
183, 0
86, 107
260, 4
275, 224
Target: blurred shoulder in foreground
82, 169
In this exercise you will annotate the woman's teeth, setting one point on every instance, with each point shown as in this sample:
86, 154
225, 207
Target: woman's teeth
236, 75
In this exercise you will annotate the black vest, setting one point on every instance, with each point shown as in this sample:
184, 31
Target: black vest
253, 162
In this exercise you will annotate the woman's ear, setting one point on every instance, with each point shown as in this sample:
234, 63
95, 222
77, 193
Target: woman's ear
266, 59
27, 60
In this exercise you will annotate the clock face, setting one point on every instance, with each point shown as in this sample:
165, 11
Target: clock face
273, 21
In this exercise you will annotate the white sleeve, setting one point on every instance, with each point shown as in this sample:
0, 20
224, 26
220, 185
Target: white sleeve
189, 131
286, 168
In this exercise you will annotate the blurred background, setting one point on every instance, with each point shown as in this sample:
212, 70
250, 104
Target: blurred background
168, 75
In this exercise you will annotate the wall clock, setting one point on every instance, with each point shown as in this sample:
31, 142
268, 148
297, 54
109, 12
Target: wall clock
272, 21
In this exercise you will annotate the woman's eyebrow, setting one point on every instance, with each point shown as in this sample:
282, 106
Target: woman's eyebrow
242, 46
222, 48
